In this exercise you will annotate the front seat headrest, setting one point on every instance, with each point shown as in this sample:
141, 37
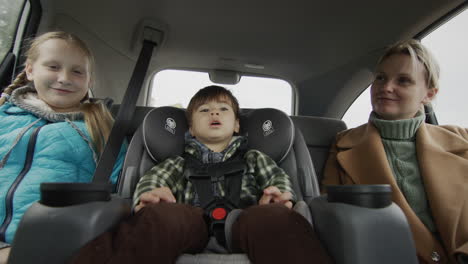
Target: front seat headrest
268, 130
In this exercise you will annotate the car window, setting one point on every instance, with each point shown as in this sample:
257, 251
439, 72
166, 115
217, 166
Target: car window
10, 14
449, 45
176, 88
358, 113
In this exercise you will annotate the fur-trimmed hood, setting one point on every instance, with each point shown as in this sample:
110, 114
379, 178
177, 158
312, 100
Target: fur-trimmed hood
26, 98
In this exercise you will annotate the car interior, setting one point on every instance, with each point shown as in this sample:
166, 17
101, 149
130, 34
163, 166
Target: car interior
325, 50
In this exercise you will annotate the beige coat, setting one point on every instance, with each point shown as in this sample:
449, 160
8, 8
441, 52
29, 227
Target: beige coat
358, 157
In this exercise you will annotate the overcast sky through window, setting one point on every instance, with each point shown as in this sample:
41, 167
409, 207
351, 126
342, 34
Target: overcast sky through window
176, 88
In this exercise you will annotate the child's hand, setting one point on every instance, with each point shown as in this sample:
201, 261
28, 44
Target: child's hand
273, 195
162, 194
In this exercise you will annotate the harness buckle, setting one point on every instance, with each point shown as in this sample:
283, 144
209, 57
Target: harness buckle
218, 213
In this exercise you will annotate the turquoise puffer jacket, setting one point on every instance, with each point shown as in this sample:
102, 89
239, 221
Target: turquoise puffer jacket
62, 153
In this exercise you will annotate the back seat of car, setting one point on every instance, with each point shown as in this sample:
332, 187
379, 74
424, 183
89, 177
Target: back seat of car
351, 232
317, 132
338, 224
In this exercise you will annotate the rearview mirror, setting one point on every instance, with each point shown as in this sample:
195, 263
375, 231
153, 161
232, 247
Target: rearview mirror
224, 77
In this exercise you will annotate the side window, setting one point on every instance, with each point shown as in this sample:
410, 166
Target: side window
448, 43
176, 88
358, 113
10, 15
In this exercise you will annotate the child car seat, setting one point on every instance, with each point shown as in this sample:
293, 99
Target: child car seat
161, 135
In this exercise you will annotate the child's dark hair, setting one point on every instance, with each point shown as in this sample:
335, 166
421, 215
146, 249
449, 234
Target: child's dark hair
211, 93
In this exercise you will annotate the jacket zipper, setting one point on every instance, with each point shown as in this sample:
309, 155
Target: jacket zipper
12, 189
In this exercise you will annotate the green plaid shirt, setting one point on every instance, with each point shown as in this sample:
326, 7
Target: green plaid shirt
261, 173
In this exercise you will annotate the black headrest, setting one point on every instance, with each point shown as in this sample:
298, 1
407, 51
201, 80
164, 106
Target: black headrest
268, 130
163, 132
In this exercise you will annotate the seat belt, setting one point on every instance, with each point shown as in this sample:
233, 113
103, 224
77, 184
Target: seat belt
430, 115
124, 116
63, 194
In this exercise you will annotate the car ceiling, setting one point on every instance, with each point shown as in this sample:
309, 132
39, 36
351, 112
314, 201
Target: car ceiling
325, 49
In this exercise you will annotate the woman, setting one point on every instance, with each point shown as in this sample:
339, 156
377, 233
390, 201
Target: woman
426, 165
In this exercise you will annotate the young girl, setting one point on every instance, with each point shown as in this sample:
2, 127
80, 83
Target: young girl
426, 165
49, 131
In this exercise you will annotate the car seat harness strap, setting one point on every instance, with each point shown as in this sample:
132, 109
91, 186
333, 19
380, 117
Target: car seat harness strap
217, 187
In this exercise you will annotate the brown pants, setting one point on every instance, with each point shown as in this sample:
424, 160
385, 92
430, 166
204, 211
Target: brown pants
160, 233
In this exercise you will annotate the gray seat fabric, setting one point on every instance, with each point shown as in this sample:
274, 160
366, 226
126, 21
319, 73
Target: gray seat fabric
355, 234
51, 235
268, 130
319, 133
138, 116
207, 258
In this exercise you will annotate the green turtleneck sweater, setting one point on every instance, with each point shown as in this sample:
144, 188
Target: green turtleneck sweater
398, 138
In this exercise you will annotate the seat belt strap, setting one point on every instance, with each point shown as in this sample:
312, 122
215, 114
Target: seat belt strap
124, 116
201, 181
233, 174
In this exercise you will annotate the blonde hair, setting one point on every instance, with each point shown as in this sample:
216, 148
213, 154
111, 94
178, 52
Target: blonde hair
97, 117
417, 52
19, 81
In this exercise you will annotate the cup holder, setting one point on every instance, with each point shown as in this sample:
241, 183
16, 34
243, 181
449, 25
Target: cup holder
67, 193
371, 196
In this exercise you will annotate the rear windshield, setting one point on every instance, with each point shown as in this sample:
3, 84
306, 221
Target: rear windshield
176, 87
